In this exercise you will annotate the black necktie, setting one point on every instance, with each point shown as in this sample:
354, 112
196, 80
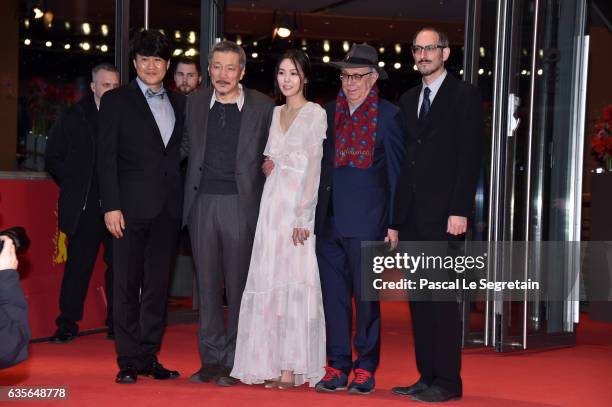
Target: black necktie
426, 103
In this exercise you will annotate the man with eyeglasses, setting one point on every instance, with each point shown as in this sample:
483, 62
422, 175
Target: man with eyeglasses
226, 132
361, 161
187, 76
141, 189
442, 122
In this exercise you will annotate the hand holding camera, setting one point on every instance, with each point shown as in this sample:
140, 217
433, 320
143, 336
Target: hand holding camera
8, 258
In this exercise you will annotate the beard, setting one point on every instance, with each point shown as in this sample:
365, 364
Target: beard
427, 70
186, 89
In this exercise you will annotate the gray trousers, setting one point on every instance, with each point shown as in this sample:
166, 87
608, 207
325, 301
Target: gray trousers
221, 242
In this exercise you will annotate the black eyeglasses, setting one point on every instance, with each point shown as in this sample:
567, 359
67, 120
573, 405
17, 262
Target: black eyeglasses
417, 49
357, 77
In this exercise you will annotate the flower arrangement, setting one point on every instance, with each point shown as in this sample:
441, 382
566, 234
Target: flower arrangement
601, 142
46, 101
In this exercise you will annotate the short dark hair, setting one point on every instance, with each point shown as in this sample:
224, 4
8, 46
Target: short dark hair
442, 37
150, 43
302, 63
104, 66
228, 46
188, 61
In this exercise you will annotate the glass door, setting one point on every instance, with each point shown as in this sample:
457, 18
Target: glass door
539, 131
531, 180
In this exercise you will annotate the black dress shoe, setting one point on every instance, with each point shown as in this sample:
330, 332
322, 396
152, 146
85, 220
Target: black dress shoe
62, 336
128, 375
158, 372
205, 375
436, 394
226, 381
416, 388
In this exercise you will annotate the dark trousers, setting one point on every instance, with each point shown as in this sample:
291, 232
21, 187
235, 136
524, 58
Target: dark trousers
221, 242
143, 260
339, 261
83, 248
436, 322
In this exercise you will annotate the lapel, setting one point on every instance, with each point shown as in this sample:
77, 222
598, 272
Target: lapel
248, 120
202, 112
177, 119
439, 104
90, 115
412, 118
140, 102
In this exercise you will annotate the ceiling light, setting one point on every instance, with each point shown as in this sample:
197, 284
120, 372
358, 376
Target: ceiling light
177, 52
326, 46
192, 37
284, 27
38, 13
48, 44
27, 41
85, 46
346, 46
326, 58
398, 48
381, 64
104, 48
254, 55
104, 29
67, 46
397, 65
86, 28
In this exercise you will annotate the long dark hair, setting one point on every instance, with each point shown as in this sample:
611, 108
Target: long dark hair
302, 63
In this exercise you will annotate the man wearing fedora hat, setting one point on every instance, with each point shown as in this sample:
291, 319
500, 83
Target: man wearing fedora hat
362, 156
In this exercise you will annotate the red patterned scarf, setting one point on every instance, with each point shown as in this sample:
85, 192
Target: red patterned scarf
356, 133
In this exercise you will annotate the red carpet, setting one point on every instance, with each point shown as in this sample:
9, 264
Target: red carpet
579, 376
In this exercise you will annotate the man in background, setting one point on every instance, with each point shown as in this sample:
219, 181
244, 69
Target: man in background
187, 75
70, 159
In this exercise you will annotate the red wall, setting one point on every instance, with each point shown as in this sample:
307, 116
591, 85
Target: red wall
33, 205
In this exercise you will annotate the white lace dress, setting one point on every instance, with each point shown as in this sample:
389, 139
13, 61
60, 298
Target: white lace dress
281, 324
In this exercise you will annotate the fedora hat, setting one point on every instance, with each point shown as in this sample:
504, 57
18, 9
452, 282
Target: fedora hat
361, 56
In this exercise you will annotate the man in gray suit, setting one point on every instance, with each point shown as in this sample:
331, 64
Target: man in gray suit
226, 133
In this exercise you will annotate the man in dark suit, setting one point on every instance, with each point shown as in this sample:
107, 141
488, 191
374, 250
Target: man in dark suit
361, 160
70, 159
442, 121
226, 133
140, 132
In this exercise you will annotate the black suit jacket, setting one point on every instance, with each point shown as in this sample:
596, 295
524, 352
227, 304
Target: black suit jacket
444, 155
70, 159
256, 116
138, 174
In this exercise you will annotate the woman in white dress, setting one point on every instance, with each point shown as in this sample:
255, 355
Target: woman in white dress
281, 328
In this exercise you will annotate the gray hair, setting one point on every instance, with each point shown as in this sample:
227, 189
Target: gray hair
442, 37
228, 46
104, 66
